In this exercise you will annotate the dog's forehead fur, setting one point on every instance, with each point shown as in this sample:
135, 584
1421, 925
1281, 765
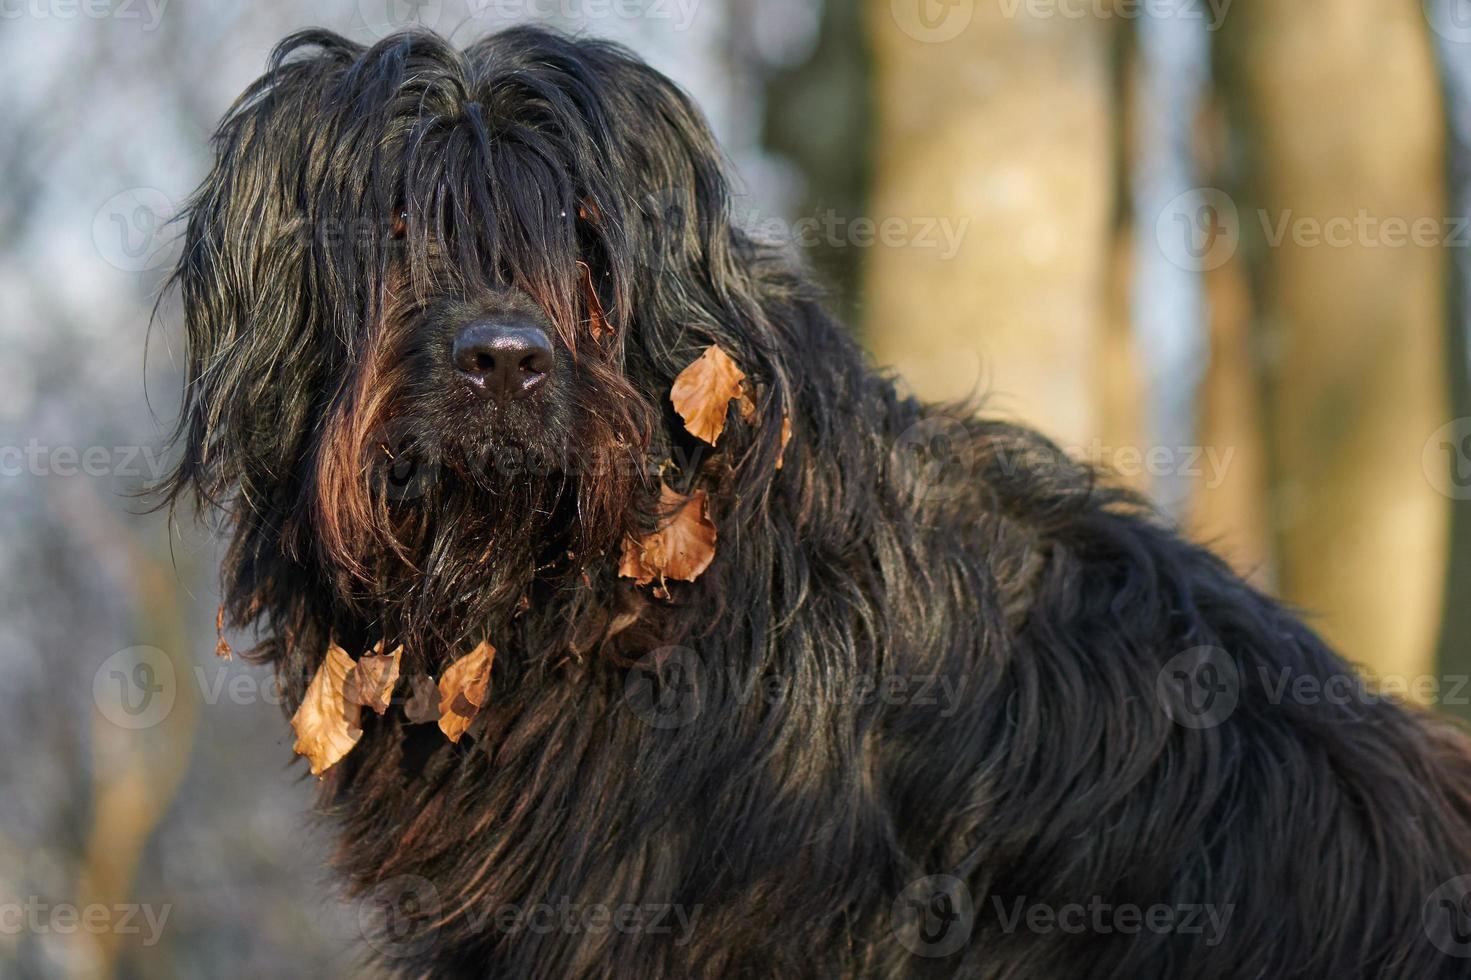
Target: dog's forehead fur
496, 154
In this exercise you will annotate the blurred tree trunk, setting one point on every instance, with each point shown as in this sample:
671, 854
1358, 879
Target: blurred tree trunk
1006, 131
136, 774
1342, 121
817, 117
1228, 508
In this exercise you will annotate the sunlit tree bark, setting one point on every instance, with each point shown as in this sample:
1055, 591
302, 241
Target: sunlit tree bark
1342, 122
1000, 126
1228, 508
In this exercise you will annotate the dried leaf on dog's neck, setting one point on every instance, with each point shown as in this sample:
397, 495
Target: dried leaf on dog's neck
597, 319
463, 690
372, 680
786, 437
222, 648
703, 391
326, 724
682, 548
423, 703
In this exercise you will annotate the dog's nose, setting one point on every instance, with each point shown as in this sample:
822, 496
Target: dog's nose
502, 361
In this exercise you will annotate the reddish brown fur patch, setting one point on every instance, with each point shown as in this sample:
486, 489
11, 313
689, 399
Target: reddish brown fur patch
349, 519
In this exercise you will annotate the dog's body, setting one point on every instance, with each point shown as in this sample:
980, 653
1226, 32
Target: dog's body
989, 718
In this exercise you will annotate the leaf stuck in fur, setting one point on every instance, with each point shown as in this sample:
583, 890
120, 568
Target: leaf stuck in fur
463, 689
682, 548
597, 319
703, 391
326, 724
371, 682
746, 403
222, 649
422, 706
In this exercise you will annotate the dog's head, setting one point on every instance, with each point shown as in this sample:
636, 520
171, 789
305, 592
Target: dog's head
435, 300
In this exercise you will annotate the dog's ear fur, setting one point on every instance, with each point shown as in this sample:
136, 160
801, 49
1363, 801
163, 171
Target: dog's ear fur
261, 353
250, 292
695, 277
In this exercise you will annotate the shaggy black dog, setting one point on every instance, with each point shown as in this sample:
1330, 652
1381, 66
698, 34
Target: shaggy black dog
943, 703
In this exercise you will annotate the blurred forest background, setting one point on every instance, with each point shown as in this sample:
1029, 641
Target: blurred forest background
1218, 246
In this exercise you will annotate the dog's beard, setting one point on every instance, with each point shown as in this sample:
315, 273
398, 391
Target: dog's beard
439, 515
463, 537
459, 525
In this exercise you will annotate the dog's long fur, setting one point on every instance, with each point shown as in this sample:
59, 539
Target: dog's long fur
896, 669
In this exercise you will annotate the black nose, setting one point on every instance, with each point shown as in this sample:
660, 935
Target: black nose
503, 361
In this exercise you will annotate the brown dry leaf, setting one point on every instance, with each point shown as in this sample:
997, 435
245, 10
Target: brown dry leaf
786, 437
422, 706
597, 320
702, 393
463, 689
326, 724
746, 403
632, 563
681, 549
222, 649
372, 681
